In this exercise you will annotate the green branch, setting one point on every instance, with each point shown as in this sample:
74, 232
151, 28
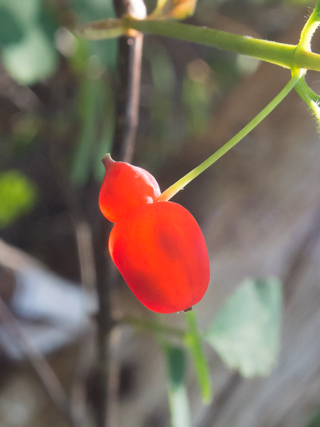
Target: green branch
181, 183
281, 54
285, 55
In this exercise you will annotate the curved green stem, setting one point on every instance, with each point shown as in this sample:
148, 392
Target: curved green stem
285, 55
309, 29
179, 185
307, 94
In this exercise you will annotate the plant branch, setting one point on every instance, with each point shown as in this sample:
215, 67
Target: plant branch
179, 185
282, 54
127, 95
277, 53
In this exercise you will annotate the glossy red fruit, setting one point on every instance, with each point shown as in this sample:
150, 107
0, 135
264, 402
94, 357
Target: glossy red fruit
125, 188
158, 247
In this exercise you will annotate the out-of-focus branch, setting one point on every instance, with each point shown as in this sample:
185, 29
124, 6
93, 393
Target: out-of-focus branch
127, 112
85, 248
128, 82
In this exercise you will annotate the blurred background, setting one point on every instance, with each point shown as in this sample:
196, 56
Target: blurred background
259, 209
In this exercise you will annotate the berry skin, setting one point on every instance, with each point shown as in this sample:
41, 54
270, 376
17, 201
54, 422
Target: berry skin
125, 188
158, 247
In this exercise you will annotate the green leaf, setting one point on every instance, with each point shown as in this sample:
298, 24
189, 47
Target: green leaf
104, 144
178, 400
91, 95
23, 16
27, 40
246, 331
92, 10
193, 341
315, 421
17, 194
10, 28
32, 59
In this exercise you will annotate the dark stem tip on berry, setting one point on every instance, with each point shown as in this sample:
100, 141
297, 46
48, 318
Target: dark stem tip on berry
188, 309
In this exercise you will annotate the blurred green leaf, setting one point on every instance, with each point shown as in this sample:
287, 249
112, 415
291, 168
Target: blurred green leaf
315, 421
89, 100
96, 116
28, 51
25, 130
32, 59
104, 143
23, 14
10, 28
92, 10
198, 92
246, 331
17, 196
193, 341
178, 400
164, 80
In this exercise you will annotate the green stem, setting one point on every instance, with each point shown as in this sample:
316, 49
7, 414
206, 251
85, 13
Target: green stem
179, 185
308, 30
307, 94
285, 55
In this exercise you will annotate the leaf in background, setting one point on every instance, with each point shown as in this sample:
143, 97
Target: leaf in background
315, 421
193, 341
23, 15
92, 10
178, 400
107, 119
28, 50
32, 59
17, 195
90, 94
198, 90
161, 104
10, 27
246, 331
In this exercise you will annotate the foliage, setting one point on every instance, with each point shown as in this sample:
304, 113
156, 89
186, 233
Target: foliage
246, 332
178, 401
27, 42
18, 196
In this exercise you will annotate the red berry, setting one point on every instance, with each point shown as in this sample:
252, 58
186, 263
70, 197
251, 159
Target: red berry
125, 188
161, 253
158, 247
